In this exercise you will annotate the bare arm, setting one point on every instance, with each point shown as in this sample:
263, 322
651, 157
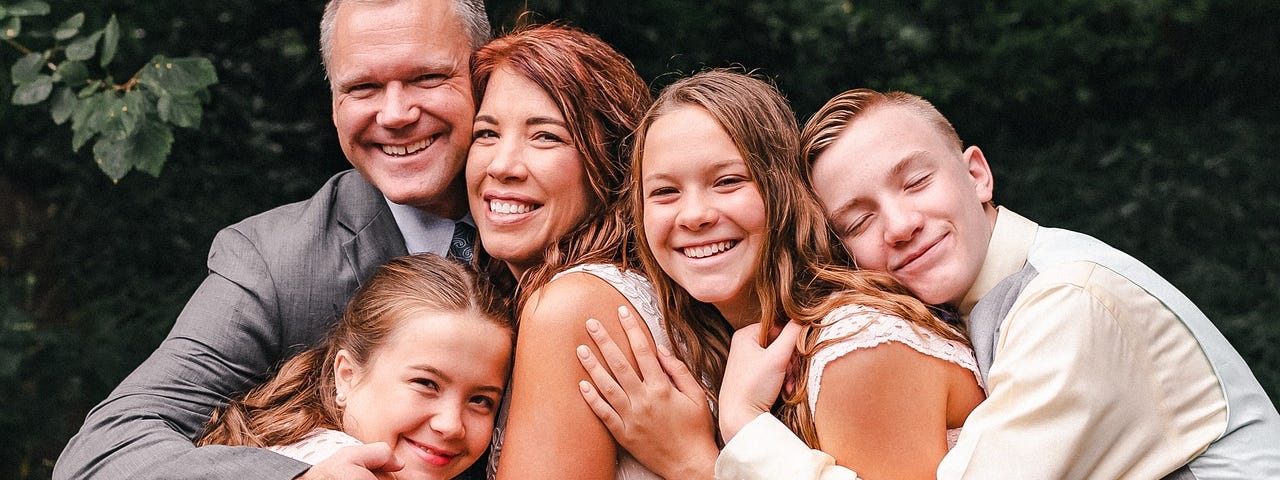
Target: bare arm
550, 431
659, 412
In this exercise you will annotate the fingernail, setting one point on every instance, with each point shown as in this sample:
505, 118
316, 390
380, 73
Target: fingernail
583, 352
663, 350
593, 325
623, 311
584, 386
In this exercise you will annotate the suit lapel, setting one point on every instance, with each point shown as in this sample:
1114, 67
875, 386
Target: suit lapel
375, 237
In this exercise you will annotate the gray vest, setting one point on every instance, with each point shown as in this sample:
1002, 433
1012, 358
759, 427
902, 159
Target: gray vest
1250, 446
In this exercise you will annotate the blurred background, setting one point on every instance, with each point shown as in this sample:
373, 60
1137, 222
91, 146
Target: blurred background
1150, 124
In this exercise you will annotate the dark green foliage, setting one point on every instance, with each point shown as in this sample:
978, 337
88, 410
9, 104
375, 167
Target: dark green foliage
1150, 125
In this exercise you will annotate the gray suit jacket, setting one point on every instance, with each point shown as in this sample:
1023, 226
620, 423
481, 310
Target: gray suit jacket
277, 283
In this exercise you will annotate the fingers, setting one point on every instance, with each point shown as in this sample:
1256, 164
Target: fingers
607, 387
375, 456
626, 377
602, 408
638, 336
785, 343
680, 375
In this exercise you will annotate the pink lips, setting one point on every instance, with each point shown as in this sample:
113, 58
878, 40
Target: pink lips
433, 455
917, 254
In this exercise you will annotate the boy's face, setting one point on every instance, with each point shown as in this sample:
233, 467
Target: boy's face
905, 201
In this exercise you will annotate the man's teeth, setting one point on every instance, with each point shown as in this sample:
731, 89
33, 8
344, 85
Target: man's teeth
496, 206
708, 250
405, 149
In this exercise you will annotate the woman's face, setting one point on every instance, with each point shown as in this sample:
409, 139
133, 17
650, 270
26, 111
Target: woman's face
704, 219
525, 178
430, 392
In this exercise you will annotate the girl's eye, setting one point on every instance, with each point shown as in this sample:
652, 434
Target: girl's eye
484, 402
426, 382
857, 226
661, 191
730, 180
484, 134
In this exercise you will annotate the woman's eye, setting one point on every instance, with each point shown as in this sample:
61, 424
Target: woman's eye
547, 137
730, 180
661, 191
484, 402
919, 181
484, 133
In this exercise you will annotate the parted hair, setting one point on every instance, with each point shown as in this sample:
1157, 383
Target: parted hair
475, 22
602, 98
801, 273
300, 397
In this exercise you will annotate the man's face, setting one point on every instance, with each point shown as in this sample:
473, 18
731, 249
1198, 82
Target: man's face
905, 201
402, 100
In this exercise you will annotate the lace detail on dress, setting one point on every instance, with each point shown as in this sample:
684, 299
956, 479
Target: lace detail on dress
858, 326
317, 446
639, 292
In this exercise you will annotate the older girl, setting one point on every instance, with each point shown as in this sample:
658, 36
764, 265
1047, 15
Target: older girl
734, 239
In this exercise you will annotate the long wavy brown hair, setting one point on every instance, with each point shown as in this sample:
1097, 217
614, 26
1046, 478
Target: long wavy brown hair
301, 396
801, 273
602, 98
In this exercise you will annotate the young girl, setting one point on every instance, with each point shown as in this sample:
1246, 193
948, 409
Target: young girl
418, 361
733, 238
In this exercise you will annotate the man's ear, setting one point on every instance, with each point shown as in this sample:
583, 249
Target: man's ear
346, 373
980, 172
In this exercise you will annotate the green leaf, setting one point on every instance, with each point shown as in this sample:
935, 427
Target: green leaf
146, 149
62, 104
70, 27
112, 109
110, 40
72, 73
29, 8
33, 92
91, 89
181, 110
84, 47
87, 119
178, 76
3, 12
11, 28
27, 68
135, 108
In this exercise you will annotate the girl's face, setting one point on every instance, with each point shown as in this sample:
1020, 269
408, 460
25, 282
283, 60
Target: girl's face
704, 219
430, 392
525, 179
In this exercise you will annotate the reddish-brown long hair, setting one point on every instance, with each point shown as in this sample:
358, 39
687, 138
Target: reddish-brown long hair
300, 397
601, 97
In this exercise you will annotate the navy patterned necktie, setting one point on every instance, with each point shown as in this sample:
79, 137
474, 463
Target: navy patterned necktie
462, 247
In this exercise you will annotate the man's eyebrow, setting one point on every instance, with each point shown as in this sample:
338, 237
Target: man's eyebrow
899, 169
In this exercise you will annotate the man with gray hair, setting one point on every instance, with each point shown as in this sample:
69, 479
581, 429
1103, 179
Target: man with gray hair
402, 105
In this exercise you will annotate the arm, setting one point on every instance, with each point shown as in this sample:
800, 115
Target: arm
659, 413
224, 340
1070, 396
757, 445
550, 432
883, 411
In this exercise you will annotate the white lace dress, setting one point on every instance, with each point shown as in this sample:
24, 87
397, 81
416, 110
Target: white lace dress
639, 292
867, 327
316, 446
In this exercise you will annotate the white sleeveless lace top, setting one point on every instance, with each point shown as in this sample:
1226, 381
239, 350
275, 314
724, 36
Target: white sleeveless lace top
866, 327
639, 292
317, 446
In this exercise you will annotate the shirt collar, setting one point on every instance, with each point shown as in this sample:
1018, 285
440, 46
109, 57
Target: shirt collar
1011, 241
424, 232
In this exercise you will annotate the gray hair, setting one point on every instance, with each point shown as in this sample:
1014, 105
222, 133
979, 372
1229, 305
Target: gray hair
471, 12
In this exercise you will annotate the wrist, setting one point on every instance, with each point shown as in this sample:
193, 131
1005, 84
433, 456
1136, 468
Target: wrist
699, 465
733, 419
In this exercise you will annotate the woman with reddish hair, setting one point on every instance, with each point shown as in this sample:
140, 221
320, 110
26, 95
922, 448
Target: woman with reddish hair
546, 176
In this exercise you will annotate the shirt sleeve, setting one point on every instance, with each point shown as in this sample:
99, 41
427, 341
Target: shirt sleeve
766, 449
1071, 393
